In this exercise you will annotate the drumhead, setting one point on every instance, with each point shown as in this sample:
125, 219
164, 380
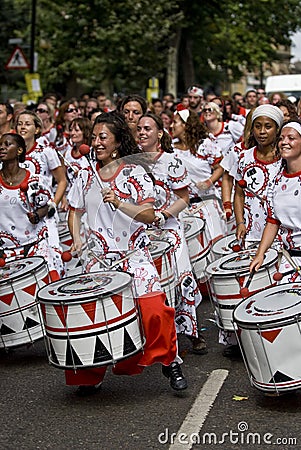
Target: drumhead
84, 287
193, 226
158, 248
20, 268
273, 304
238, 263
224, 245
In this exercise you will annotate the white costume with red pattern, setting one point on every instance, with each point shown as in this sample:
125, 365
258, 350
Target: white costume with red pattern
284, 202
41, 160
257, 174
229, 135
111, 232
18, 236
171, 174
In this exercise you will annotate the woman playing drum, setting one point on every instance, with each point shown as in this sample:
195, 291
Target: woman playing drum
284, 202
23, 204
172, 197
117, 196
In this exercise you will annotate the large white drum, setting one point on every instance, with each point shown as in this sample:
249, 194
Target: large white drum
162, 257
198, 246
91, 320
20, 318
229, 274
269, 333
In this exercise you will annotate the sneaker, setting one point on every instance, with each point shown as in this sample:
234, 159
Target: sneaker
174, 372
85, 391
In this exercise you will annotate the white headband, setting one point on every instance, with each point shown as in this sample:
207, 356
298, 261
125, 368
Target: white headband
294, 125
196, 91
271, 111
184, 114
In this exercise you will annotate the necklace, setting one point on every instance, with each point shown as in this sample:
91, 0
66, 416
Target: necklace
10, 181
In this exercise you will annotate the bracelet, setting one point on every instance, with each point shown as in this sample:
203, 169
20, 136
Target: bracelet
239, 223
227, 204
164, 215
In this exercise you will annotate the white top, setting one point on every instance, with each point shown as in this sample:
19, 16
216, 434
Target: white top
284, 201
113, 230
15, 228
257, 174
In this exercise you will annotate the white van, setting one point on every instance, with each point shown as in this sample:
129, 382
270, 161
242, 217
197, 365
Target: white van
288, 84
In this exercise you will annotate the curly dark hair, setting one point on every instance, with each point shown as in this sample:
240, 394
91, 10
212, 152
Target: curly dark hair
195, 132
116, 123
291, 108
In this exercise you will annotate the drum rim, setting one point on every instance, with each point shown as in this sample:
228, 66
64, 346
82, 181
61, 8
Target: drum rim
195, 233
77, 300
15, 277
237, 271
267, 321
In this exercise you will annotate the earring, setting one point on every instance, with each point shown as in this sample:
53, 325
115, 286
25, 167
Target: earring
114, 154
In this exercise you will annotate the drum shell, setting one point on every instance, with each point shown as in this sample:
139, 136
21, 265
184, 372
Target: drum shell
160, 251
92, 329
20, 317
271, 348
225, 287
198, 246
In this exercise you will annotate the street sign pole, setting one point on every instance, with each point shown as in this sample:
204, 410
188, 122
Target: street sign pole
33, 31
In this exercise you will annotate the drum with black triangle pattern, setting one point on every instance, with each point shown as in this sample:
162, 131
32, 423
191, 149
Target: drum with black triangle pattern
269, 334
91, 320
20, 318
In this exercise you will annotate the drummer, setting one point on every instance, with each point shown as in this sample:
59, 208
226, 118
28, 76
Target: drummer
117, 196
202, 157
172, 197
23, 204
284, 203
257, 166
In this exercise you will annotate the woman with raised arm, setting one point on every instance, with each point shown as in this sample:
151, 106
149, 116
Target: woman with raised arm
118, 196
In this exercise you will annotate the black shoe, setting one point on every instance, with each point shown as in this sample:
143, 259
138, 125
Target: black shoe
85, 391
232, 351
177, 380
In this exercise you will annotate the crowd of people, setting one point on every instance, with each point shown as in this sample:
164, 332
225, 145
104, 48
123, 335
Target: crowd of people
232, 161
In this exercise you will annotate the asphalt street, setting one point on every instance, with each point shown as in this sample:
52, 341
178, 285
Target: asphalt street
38, 411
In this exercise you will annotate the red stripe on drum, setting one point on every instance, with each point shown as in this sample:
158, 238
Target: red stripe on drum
94, 326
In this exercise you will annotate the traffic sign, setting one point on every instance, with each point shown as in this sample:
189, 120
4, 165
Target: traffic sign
17, 60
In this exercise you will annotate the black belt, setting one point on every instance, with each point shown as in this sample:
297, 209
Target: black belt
294, 252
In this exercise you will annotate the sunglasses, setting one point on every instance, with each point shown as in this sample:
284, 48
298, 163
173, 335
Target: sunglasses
71, 110
41, 110
205, 110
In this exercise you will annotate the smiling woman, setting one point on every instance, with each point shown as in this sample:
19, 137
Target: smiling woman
284, 202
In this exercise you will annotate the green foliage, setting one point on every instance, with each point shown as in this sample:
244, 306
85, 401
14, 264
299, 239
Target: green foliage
120, 44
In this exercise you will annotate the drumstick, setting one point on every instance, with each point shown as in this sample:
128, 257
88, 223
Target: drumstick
84, 150
244, 292
243, 185
291, 261
24, 189
74, 169
279, 275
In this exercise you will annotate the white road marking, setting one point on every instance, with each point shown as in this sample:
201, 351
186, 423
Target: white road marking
195, 418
